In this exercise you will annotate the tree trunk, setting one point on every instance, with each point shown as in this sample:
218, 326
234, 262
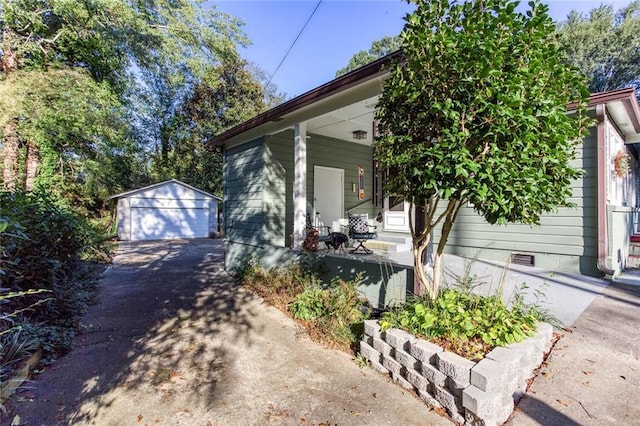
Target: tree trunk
423, 281
10, 156
33, 161
447, 224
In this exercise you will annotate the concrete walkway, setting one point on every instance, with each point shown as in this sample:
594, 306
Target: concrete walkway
592, 377
173, 341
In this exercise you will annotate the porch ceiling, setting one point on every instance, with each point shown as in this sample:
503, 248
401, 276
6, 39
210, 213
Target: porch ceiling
342, 122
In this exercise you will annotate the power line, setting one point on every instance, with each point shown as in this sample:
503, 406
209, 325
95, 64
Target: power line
294, 42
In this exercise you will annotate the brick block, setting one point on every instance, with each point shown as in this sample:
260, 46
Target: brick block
429, 399
406, 359
510, 360
393, 366
545, 331
424, 351
455, 366
368, 340
473, 420
399, 380
369, 352
489, 375
399, 339
383, 347
455, 387
485, 404
517, 387
527, 353
378, 367
448, 400
433, 375
418, 380
372, 328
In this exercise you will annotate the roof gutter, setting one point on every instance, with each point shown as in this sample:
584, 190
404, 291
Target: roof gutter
603, 236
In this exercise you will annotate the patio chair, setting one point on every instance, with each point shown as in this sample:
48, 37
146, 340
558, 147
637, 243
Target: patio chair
361, 231
323, 234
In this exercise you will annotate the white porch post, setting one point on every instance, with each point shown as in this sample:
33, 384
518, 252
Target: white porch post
299, 184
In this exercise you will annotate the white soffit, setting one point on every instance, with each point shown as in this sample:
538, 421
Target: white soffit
620, 116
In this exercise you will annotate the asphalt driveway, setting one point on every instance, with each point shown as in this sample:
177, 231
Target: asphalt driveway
173, 341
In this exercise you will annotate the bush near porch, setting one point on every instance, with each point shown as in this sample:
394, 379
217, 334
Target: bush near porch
331, 312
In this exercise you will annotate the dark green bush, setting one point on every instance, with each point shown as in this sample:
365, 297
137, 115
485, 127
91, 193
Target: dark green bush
43, 263
331, 313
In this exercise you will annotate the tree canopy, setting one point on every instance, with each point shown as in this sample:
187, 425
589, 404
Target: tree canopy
605, 46
99, 88
379, 48
475, 112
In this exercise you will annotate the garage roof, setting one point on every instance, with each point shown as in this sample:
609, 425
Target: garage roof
155, 185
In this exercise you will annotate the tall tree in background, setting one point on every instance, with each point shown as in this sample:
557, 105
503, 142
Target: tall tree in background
605, 46
475, 112
78, 126
227, 95
379, 48
149, 54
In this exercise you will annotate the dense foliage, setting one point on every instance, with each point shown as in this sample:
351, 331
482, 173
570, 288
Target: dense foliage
476, 113
46, 274
379, 48
93, 93
330, 312
465, 323
603, 45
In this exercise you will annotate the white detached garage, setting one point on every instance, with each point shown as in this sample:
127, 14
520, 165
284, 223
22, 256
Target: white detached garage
166, 210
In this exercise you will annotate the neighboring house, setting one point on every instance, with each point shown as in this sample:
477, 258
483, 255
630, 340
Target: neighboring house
305, 156
166, 210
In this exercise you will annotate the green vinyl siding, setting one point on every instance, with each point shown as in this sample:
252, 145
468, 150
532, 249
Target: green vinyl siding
565, 240
339, 154
280, 148
321, 151
275, 191
243, 193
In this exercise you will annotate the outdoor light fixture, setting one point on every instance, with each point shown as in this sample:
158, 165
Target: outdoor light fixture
359, 134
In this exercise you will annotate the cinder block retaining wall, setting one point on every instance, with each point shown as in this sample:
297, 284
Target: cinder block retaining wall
474, 393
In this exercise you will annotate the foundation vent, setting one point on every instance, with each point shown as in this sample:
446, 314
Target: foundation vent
523, 259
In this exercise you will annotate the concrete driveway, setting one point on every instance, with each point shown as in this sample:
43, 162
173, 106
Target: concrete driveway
173, 341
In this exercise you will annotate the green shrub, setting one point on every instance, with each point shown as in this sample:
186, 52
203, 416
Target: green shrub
331, 313
247, 266
468, 323
334, 312
46, 274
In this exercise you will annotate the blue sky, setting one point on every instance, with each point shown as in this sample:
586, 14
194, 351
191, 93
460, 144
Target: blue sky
337, 31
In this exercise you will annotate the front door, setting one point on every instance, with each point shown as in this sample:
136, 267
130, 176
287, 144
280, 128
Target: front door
328, 195
396, 215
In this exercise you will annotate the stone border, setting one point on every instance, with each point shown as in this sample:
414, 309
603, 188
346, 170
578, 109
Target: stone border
473, 393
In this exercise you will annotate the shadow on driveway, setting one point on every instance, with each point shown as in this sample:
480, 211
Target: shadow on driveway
173, 340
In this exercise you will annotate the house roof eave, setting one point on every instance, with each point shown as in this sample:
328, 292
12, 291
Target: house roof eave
279, 113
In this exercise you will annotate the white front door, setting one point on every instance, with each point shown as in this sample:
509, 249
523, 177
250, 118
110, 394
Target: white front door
328, 195
396, 216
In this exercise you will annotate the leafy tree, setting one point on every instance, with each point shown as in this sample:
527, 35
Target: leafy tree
379, 48
148, 54
78, 125
475, 112
227, 95
605, 46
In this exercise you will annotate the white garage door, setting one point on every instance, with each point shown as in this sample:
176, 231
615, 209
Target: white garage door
153, 223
